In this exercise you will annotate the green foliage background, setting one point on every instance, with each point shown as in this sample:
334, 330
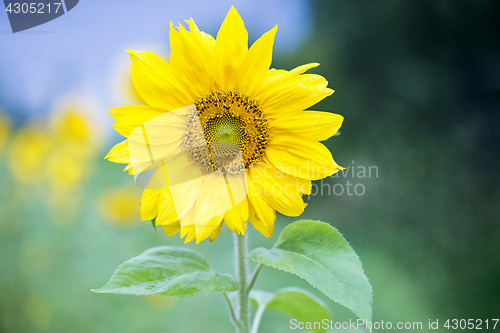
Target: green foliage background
419, 85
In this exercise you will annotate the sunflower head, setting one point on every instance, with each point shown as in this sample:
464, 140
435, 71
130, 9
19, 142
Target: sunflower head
222, 137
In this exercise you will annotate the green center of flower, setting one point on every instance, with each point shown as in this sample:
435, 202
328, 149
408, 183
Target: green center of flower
225, 128
235, 130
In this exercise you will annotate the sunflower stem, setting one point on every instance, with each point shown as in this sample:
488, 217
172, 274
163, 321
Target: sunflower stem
242, 267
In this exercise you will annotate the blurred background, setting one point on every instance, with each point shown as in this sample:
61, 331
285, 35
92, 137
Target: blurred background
417, 82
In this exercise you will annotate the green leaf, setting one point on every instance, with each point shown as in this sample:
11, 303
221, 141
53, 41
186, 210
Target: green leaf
294, 302
318, 253
168, 271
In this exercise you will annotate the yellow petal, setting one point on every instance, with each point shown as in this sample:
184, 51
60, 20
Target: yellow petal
300, 157
157, 84
130, 117
149, 204
167, 213
284, 92
255, 66
207, 227
281, 191
176, 199
261, 215
230, 49
189, 232
183, 182
171, 229
237, 217
217, 195
262, 221
192, 228
314, 125
133, 154
215, 233
165, 128
119, 153
157, 139
191, 57
281, 74
212, 203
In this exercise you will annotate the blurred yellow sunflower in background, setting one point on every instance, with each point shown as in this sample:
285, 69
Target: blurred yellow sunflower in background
57, 157
118, 206
4, 129
28, 149
223, 138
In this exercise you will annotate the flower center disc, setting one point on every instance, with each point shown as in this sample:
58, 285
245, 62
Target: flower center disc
226, 136
235, 130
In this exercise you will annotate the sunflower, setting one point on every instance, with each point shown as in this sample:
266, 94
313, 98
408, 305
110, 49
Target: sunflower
222, 137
